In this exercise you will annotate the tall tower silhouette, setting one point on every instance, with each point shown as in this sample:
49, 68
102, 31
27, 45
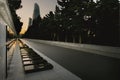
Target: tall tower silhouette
36, 12
34, 23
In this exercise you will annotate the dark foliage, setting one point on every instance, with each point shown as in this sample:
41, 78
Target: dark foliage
14, 5
80, 21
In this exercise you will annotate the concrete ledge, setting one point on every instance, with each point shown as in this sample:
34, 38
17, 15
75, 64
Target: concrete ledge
16, 71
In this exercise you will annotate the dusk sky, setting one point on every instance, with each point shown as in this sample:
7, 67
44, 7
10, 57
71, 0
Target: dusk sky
27, 10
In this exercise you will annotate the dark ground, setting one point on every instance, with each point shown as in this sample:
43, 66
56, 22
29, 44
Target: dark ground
85, 65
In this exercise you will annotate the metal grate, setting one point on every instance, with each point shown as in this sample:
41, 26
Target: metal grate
32, 62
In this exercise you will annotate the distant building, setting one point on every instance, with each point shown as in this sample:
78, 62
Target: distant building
34, 23
36, 12
30, 22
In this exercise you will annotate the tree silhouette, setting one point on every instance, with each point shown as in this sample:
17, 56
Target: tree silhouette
14, 5
107, 31
80, 21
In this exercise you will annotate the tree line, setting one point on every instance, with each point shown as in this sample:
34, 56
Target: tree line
79, 21
15, 5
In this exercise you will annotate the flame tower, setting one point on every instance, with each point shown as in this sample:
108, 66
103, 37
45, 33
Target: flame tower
36, 12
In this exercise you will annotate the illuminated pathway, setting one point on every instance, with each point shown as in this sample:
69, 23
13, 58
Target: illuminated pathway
86, 65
